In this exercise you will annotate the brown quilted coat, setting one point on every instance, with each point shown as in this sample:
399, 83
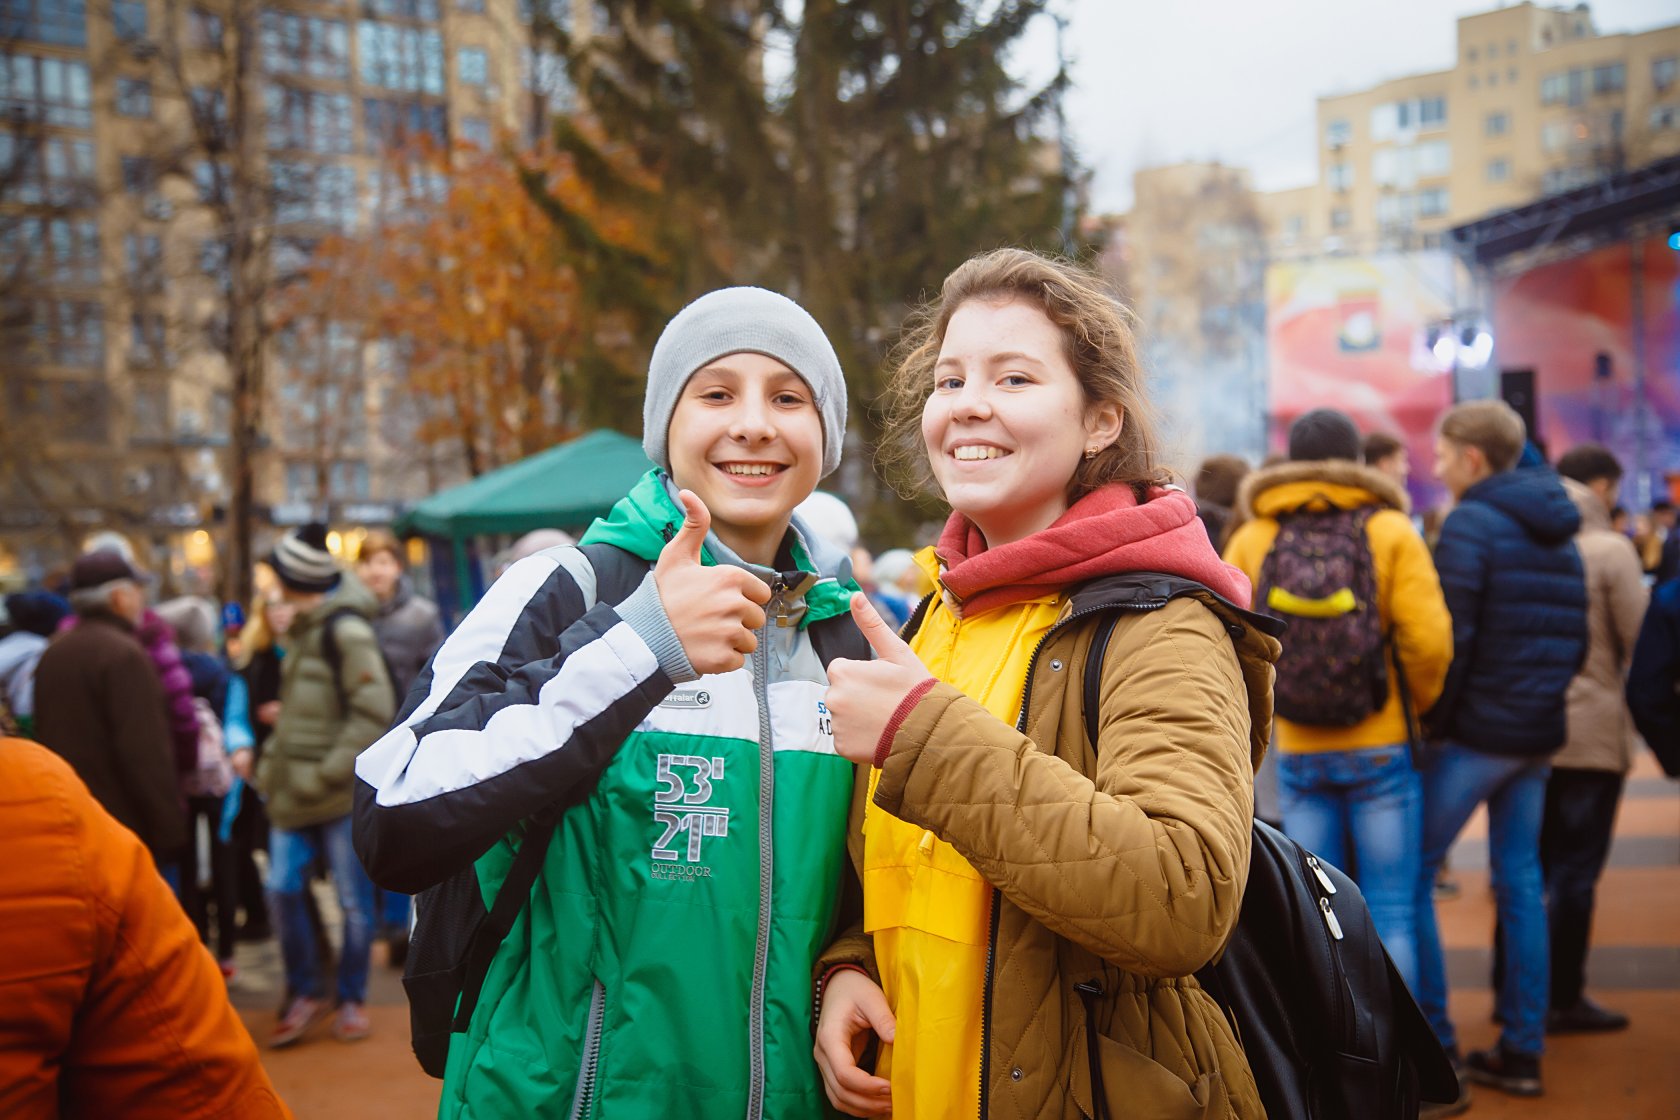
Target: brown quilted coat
1123, 868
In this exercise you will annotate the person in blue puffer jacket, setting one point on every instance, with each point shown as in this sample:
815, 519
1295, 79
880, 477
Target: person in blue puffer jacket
1516, 588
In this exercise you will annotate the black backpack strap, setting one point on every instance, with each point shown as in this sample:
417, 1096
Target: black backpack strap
617, 574
511, 898
1092, 695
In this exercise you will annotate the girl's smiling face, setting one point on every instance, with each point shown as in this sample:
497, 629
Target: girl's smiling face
1007, 421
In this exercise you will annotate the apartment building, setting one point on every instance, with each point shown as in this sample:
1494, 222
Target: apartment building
119, 117
1537, 101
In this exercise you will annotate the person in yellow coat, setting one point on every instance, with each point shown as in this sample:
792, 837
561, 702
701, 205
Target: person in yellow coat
1348, 791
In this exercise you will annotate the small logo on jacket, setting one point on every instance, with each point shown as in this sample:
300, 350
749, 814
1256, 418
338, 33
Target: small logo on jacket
682, 804
687, 698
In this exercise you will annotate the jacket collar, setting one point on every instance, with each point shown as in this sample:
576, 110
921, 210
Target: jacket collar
1329, 476
1152, 590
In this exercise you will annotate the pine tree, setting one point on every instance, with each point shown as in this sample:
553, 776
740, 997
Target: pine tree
887, 143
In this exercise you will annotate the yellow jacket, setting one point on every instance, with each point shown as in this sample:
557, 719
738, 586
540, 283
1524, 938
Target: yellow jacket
1410, 603
925, 906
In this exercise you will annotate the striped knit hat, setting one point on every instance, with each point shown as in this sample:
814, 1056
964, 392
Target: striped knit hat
302, 560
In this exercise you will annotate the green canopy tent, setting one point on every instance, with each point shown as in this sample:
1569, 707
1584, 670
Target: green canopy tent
565, 487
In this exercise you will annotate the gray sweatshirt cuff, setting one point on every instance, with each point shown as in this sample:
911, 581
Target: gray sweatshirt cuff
646, 615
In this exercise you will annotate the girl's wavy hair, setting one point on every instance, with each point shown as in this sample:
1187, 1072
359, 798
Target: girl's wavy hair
1100, 345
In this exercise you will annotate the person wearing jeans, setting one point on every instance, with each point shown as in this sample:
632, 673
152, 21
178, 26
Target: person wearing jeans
1347, 790
1456, 779
335, 700
1516, 588
292, 854
1363, 810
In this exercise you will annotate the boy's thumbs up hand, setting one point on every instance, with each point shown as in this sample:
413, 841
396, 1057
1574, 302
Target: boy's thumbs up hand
863, 695
714, 610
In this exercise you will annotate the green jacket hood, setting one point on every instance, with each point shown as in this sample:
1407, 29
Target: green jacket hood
646, 518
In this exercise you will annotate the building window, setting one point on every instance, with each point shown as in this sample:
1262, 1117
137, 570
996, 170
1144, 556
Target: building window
1341, 218
138, 174
57, 171
1511, 75
1511, 47
1498, 170
1432, 112
134, 97
307, 120
64, 332
349, 481
1554, 136
400, 58
1470, 55
474, 65
1560, 179
1609, 78
210, 181
425, 11
63, 23
387, 125
1432, 202
1338, 132
128, 20
209, 106
74, 244
323, 194
1497, 124
149, 420
204, 29
1664, 118
1341, 176
1664, 72
213, 257
476, 131
305, 46
143, 254
53, 91
469, 5
147, 340
1474, 81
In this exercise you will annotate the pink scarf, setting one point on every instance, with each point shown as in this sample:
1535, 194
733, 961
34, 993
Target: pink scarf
1105, 533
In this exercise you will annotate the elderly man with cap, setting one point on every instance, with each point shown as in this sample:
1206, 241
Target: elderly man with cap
99, 705
335, 699
655, 698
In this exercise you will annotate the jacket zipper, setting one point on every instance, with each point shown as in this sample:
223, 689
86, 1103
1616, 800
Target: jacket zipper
992, 936
766, 854
1332, 934
584, 1098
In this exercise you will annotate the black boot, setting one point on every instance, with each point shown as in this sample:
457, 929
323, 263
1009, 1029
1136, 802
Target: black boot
1506, 1070
1586, 1017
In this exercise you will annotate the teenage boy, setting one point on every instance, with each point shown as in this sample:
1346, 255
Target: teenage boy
1517, 593
663, 964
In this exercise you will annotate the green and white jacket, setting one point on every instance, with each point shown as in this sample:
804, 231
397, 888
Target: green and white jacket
663, 966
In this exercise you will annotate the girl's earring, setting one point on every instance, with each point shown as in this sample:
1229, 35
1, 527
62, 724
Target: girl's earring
1091, 452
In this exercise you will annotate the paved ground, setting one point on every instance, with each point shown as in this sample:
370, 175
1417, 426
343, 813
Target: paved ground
1635, 967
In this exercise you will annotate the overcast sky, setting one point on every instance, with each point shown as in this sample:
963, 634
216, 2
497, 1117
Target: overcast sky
1237, 80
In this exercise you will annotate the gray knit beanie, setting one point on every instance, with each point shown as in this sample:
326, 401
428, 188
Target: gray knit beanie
734, 321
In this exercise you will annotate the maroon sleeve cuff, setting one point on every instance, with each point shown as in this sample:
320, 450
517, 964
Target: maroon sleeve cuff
900, 714
822, 986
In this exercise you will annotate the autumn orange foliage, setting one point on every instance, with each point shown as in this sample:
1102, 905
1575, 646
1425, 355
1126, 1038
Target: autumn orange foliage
464, 275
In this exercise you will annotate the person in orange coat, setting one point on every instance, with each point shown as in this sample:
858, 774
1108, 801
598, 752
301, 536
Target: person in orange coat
109, 1005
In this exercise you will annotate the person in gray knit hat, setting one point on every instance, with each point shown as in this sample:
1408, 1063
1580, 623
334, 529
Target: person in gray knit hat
651, 687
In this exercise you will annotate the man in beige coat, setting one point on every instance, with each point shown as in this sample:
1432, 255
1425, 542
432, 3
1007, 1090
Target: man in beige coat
1588, 773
